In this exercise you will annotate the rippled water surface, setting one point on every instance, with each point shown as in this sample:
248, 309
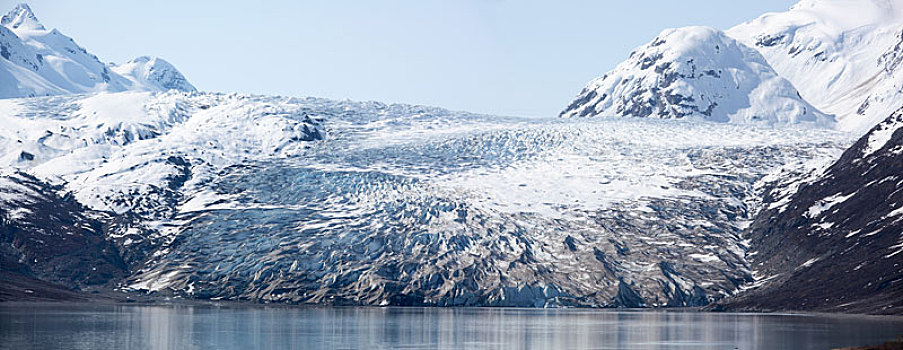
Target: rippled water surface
209, 327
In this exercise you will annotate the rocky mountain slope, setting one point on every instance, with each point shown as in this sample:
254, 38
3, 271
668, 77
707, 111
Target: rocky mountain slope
833, 242
53, 238
843, 56
41, 62
696, 72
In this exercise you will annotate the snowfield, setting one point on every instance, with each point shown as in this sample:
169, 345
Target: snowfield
845, 65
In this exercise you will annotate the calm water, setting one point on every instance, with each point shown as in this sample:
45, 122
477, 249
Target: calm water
209, 327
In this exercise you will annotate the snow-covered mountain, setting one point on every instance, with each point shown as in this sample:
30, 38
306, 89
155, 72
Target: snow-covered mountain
834, 241
696, 72
41, 62
847, 66
152, 74
844, 56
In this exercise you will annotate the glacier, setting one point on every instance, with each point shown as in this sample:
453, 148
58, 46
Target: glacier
306, 200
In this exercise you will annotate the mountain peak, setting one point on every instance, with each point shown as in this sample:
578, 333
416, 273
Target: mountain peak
41, 62
21, 16
699, 73
143, 59
887, 4
154, 73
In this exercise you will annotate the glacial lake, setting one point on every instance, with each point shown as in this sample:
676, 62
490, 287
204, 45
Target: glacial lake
86, 326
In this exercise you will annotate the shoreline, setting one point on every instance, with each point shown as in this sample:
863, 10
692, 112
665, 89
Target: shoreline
21, 290
239, 304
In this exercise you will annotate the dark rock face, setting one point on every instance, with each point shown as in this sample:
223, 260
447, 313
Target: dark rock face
837, 243
18, 287
54, 239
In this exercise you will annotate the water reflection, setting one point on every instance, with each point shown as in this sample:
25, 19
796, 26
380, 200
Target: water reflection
209, 327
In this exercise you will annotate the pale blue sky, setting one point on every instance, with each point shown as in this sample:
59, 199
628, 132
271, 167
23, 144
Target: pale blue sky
490, 56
